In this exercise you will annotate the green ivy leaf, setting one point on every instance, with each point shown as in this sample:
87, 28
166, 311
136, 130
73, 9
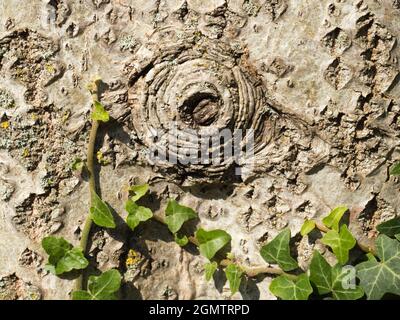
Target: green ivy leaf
56, 248
210, 269
177, 215
395, 170
62, 256
181, 241
278, 251
378, 278
139, 191
307, 227
321, 273
136, 214
390, 227
99, 112
81, 295
333, 219
344, 283
100, 213
73, 259
329, 279
210, 242
288, 289
340, 243
234, 275
103, 287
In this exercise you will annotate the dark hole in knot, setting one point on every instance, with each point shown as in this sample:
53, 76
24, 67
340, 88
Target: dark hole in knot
200, 109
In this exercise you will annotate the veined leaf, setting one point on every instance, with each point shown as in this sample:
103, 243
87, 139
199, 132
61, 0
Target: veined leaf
288, 289
344, 283
73, 259
56, 248
278, 251
136, 214
380, 277
336, 280
103, 287
340, 242
210, 242
177, 215
333, 219
210, 269
106, 284
62, 256
100, 213
321, 273
99, 112
390, 227
234, 275
307, 227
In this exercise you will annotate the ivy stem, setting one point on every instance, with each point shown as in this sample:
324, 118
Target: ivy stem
366, 248
321, 227
90, 163
254, 271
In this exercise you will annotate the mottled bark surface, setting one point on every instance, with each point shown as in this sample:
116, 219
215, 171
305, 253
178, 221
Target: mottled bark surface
317, 81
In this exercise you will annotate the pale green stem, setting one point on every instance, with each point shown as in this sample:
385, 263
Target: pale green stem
79, 282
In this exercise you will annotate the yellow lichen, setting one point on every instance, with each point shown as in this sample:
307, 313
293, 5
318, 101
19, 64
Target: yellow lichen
50, 68
101, 159
133, 258
5, 124
25, 153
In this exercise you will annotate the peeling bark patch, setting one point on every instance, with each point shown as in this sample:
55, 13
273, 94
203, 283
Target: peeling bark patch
251, 7
29, 134
99, 3
377, 42
275, 8
60, 11
38, 216
376, 211
279, 67
14, 288
30, 259
6, 100
29, 59
6, 190
337, 41
338, 74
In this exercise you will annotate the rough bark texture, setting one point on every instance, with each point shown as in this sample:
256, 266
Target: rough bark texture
317, 80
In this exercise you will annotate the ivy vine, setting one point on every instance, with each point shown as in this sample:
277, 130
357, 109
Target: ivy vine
377, 273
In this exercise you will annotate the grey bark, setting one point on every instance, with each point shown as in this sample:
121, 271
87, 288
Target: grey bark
317, 81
